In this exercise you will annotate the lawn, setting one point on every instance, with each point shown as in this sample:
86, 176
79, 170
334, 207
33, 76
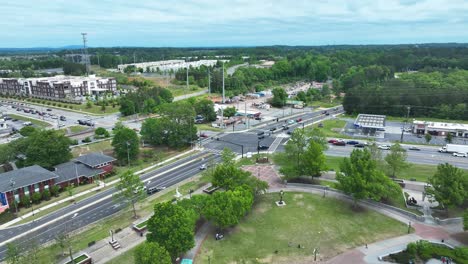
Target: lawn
27, 119
125, 258
332, 128
102, 146
325, 104
204, 127
307, 220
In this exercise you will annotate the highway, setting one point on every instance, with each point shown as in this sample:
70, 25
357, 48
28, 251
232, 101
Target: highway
98, 206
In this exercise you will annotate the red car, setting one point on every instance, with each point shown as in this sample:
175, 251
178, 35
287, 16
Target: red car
332, 141
339, 143
203, 135
298, 120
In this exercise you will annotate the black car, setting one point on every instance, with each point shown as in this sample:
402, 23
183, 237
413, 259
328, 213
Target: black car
81, 122
273, 129
262, 147
7, 118
261, 137
48, 109
63, 118
352, 142
261, 133
258, 118
154, 190
360, 145
289, 132
414, 148
285, 127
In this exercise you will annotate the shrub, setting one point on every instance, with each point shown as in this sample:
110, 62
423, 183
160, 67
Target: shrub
25, 201
59, 105
74, 142
36, 197
54, 104
46, 195
86, 140
70, 106
55, 190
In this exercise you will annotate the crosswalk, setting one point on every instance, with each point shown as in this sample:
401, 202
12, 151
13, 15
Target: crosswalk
275, 144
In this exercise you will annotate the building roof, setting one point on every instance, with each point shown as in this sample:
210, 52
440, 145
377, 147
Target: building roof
442, 126
94, 159
24, 177
71, 170
370, 121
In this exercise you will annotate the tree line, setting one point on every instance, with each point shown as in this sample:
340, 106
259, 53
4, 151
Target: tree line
428, 94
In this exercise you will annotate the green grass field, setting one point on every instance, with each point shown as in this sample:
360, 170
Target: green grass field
307, 220
27, 119
332, 128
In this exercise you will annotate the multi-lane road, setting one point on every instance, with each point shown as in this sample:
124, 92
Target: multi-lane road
98, 206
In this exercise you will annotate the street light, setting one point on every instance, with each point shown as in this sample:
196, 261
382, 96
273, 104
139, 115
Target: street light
281, 197
69, 243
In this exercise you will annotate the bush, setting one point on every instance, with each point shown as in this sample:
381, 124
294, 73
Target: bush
54, 104
59, 105
70, 106
55, 190
74, 142
86, 140
46, 195
36, 197
25, 201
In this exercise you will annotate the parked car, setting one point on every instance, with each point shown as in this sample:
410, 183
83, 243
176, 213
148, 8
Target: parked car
339, 143
360, 145
459, 154
331, 141
199, 121
414, 148
262, 147
352, 142
384, 147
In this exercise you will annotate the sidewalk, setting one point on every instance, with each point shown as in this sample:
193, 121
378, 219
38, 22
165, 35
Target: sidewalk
73, 197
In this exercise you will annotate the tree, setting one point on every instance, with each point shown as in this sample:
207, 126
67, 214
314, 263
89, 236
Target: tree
228, 156
151, 253
205, 108
229, 111
130, 189
227, 208
449, 138
126, 145
396, 159
449, 186
279, 97
27, 131
172, 227
57, 148
13, 254
36, 197
360, 178
101, 132
428, 138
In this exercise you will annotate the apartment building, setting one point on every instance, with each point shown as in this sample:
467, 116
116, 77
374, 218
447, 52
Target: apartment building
58, 87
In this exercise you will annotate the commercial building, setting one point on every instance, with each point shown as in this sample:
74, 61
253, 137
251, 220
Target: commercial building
440, 128
26, 181
370, 124
168, 65
59, 87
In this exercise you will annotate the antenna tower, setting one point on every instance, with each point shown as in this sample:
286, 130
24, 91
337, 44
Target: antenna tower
85, 53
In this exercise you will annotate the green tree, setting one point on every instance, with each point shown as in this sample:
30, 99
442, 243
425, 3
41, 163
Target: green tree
27, 131
449, 186
89, 104
228, 156
126, 145
449, 138
205, 108
130, 189
360, 178
279, 97
172, 227
396, 159
101, 132
56, 152
229, 111
428, 138
151, 253
226, 209
178, 120
36, 197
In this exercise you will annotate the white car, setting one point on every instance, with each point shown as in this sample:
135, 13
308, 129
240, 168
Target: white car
203, 167
459, 154
384, 147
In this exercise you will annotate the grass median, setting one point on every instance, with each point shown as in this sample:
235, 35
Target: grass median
36, 122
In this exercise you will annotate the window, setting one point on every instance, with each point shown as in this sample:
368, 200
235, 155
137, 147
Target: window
36, 187
26, 190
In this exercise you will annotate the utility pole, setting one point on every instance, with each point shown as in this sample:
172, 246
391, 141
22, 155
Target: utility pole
406, 121
209, 82
134, 63
223, 85
85, 53
128, 154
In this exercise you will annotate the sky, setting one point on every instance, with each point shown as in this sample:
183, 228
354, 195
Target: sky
209, 23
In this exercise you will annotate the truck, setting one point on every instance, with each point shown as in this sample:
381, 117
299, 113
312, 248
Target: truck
453, 148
